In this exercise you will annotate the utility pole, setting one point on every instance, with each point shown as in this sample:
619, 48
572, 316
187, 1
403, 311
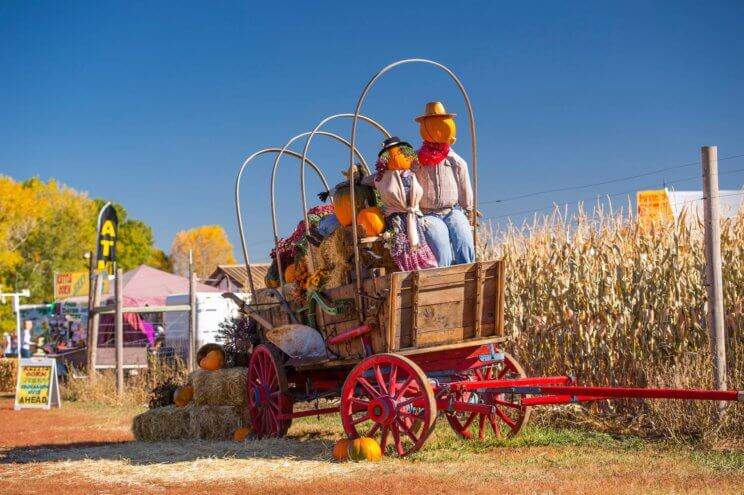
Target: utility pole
713, 269
119, 332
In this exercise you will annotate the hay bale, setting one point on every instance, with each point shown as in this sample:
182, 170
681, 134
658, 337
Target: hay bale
225, 387
333, 255
217, 422
163, 423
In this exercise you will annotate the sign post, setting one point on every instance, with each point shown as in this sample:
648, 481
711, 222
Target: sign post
38, 385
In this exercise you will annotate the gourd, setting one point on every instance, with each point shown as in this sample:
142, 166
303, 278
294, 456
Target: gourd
241, 434
341, 449
438, 130
183, 395
365, 448
371, 220
212, 361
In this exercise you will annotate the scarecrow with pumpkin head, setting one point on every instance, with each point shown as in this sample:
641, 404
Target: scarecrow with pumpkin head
447, 199
401, 194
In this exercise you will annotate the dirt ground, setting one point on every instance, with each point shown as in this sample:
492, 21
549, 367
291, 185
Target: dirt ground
83, 449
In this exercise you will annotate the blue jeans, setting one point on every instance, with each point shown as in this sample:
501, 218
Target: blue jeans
25, 353
449, 237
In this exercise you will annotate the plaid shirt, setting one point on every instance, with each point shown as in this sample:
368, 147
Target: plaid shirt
445, 185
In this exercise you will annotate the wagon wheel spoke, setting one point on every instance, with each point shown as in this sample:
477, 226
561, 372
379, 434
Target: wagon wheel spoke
469, 421
355, 401
506, 403
494, 425
362, 419
407, 431
402, 390
371, 392
410, 401
409, 414
373, 430
506, 419
383, 438
380, 380
482, 426
393, 378
396, 439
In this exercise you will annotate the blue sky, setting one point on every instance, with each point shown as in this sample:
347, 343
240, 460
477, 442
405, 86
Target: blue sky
156, 104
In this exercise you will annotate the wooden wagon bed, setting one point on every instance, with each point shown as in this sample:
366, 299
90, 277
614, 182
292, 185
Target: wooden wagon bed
412, 312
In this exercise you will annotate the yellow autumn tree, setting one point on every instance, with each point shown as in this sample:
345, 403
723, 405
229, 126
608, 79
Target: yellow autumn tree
209, 246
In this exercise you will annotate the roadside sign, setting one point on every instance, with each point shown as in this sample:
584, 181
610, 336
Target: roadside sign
74, 284
38, 385
654, 206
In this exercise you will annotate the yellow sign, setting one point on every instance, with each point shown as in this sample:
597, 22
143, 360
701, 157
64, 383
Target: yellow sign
38, 387
654, 206
74, 284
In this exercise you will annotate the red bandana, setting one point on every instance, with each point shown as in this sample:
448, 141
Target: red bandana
431, 154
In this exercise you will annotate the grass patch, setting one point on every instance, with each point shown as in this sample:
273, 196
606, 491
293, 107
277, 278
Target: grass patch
719, 461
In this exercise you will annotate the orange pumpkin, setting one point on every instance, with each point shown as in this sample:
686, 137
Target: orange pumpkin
183, 395
212, 361
289, 274
397, 160
364, 196
438, 130
365, 448
241, 434
341, 450
371, 220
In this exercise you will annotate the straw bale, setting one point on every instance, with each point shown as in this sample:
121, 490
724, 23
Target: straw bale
217, 422
225, 387
163, 423
333, 255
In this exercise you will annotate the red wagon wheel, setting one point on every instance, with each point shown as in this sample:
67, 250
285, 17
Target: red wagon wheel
510, 416
389, 398
268, 397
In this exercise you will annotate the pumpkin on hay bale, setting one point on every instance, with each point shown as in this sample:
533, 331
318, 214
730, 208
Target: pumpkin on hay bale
211, 357
163, 423
225, 387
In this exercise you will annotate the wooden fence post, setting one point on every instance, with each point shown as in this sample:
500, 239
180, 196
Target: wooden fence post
119, 333
713, 269
95, 318
192, 315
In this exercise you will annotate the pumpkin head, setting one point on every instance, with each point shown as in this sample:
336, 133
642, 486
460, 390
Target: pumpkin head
437, 129
241, 434
341, 449
212, 361
365, 448
371, 220
183, 395
397, 160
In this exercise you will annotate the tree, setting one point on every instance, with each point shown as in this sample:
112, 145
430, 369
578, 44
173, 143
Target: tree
160, 260
210, 248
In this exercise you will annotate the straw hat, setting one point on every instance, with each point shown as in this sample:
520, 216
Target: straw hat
435, 109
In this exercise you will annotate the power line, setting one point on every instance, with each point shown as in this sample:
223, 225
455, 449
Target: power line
605, 182
602, 196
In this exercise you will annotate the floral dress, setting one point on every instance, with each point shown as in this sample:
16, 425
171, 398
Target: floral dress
408, 257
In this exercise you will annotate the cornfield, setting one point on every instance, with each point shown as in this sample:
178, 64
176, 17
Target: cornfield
615, 302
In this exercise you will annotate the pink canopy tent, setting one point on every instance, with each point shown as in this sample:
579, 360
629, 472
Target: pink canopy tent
142, 287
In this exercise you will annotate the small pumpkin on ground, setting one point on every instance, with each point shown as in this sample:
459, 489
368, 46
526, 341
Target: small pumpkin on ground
183, 395
241, 434
371, 220
365, 448
341, 450
214, 360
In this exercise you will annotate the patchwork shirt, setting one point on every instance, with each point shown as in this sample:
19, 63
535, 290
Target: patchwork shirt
445, 185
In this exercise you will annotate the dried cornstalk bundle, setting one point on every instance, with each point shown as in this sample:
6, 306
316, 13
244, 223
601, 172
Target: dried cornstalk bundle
599, 296
225, 387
